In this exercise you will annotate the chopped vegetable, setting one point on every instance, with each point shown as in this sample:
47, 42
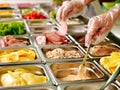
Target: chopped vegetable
52, 14
34, 15
12, 28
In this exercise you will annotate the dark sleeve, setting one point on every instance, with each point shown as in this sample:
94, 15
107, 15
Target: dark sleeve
106, 0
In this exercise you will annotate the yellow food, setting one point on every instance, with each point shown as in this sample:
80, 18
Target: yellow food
111, 62
5, 5
17, 55
20, 77
7, 12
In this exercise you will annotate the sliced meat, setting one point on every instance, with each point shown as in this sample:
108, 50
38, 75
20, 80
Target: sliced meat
102, 50
81, 39
41, 39
2, 44
63, 30
11, 41
54, 38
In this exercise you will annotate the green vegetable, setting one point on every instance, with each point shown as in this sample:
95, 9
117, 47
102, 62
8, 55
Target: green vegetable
12, 28
58, 1
53, 14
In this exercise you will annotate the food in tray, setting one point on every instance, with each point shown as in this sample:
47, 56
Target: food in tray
25, 5
39, 22
103, 50
4, 17
17, 55
81, 38
88, 74
53, 14
12, 28
6, 12
60, 53
57, 2
111, 62
51, 38
74, 21
20, 77
9, 40
71, 71
32, 14
5, 5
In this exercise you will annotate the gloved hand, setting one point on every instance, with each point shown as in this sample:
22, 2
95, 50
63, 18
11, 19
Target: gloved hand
99, 26
69, 8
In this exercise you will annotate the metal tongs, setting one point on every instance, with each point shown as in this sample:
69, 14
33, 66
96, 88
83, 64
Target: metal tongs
84, 67
112, 77
87, 53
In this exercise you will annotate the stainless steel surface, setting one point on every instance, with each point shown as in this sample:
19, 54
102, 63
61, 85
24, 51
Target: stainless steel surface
88, 86
63, 69
19, 20
37, 30
37, 69
109, 44
39, 22
111, 78
55, 68
36, 60
63, 48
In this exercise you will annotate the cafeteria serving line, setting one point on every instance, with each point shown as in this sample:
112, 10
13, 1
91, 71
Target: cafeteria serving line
39, 52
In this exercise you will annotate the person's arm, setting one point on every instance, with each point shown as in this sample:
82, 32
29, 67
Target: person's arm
70, 8
99, 26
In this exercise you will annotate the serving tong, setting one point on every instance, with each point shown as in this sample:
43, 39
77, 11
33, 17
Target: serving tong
111, 78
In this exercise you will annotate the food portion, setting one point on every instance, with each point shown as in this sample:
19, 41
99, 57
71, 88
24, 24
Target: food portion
74, 21
25, 5
6, 12
17, 55
61, 53
51, 38
39, 22
32, 14
5, 17
111, 62
103, 50
12, 28
8, 41
20, 77
72, 72
5, 5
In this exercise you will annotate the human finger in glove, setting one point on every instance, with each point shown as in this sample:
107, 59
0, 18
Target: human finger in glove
99, 26
70, 8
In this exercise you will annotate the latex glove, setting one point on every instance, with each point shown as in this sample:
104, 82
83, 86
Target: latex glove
69, 8
99, 26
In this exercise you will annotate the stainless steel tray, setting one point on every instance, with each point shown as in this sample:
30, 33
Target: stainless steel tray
60, 53
8, 62
117, 81
9, 17
8, 39
88, 86
20, 20
35, 30
48, 7
62, 69
38, 69
39, 22
107, 44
